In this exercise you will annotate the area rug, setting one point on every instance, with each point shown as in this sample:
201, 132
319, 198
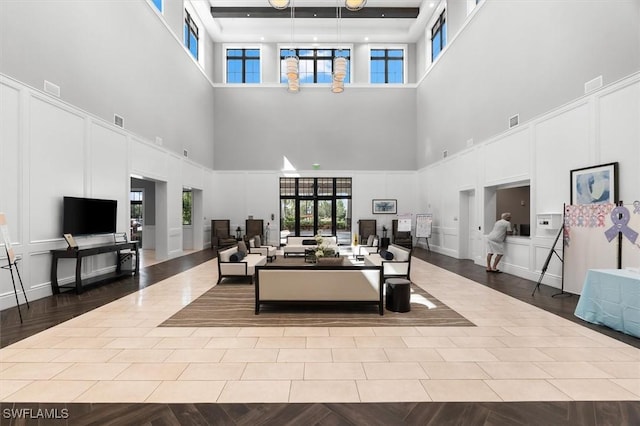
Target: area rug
232, 304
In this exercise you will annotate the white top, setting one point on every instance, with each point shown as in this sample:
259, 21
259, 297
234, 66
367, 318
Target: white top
499, 231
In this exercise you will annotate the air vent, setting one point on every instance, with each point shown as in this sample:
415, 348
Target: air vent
51, 88
118, 121
185, 153
445, 153
592, 85
514, 121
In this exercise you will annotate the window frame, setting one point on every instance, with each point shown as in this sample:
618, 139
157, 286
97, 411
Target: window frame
441, 23
388, 47
189, 21
227, 47
286, 48
158, 5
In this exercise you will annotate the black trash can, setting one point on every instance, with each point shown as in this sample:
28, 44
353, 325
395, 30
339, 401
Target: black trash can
398, 295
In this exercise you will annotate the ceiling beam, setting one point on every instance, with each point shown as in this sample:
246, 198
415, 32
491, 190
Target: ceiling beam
315, 12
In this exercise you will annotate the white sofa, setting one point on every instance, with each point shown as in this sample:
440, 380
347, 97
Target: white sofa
243, 268
335, 284
398, 267
297, 246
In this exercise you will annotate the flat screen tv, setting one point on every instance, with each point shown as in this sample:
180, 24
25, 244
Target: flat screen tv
89, 216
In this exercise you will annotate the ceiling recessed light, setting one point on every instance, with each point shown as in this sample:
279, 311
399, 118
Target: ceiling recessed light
366, 39
248, 14
383, 15
432, 4
315, 38
261, 38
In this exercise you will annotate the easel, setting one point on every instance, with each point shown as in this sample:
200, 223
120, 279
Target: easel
12, 262
546, 265
426, 240
424, 224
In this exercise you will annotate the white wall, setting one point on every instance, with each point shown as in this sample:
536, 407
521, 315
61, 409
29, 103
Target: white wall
598, 128
49, 149
115, 57
360, 129
520, 57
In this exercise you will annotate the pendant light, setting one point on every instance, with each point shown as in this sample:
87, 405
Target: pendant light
279, 4
354, 5
339, 62
292, 62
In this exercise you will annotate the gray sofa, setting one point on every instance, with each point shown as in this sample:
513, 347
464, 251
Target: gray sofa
319, 284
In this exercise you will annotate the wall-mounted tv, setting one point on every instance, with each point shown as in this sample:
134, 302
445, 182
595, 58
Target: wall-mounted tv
89, 216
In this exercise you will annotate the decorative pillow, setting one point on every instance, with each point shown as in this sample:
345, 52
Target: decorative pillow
236, 257
370, 240
309, 242
386, 255
252, 243
242, 247
376, 242
257, 241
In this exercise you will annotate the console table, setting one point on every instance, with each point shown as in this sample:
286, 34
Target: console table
87, 251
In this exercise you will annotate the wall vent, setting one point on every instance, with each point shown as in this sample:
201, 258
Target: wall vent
51, 88
445, 153
592, 85
118, 121
514, 121
185, 153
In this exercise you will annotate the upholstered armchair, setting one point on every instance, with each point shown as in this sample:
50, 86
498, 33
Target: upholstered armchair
368, 241
401, 238
366, 228
221, 234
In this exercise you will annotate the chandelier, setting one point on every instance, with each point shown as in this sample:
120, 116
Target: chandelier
292, 62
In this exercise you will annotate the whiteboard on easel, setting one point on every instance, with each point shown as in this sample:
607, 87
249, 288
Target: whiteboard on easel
423, 225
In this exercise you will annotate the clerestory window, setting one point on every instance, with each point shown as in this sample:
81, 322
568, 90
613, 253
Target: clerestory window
243, 65
315, 65
387, 66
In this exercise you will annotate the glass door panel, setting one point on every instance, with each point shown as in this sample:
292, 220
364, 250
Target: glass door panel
325, 217
287, 219
343, 220
307, 222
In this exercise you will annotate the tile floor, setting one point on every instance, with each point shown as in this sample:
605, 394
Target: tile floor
516, 352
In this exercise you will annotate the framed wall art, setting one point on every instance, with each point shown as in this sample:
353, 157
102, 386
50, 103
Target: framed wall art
595, 184
384, 206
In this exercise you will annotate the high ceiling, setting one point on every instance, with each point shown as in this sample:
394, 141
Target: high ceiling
352, 27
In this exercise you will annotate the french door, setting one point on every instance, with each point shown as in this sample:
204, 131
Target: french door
309, 206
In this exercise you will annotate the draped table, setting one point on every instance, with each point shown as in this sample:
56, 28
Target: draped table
611, 297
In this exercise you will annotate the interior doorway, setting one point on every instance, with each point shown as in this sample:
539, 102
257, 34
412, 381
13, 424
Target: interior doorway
470, 234
192, 219
148, 215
